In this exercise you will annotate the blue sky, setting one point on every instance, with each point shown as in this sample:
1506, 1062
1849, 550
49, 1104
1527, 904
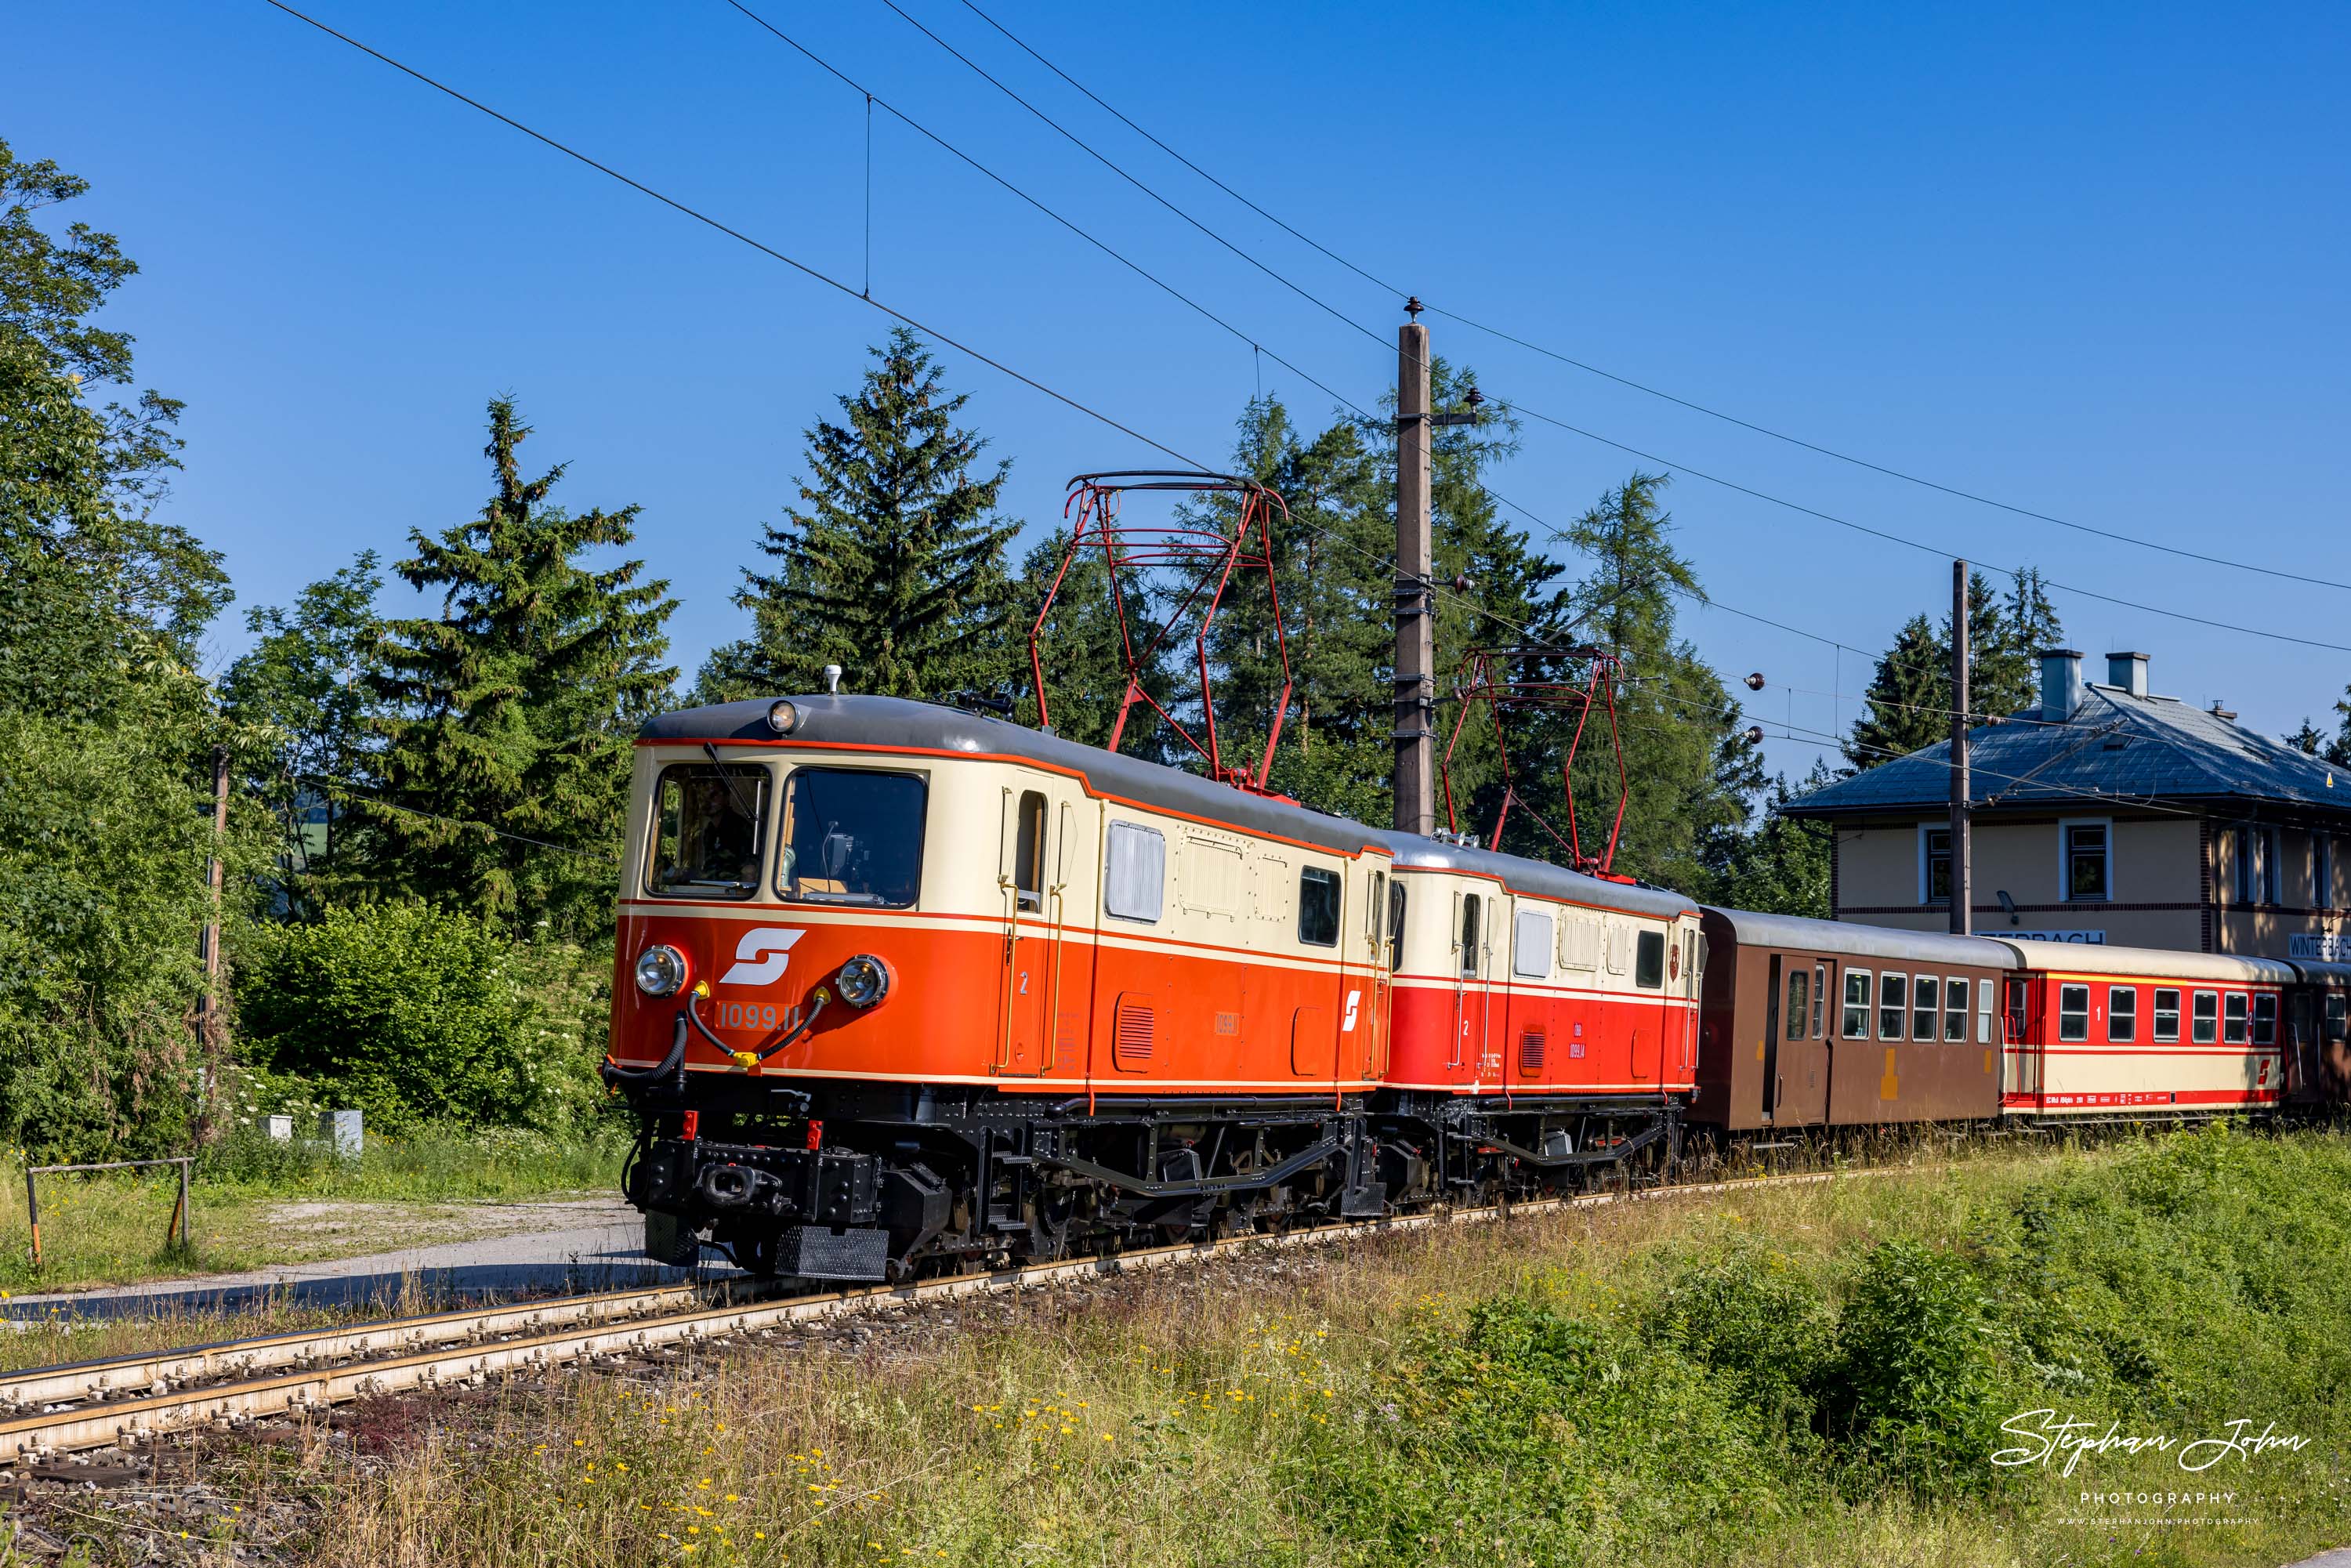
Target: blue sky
2087, 259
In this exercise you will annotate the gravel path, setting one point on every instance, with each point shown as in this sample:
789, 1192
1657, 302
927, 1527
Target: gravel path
586, 1245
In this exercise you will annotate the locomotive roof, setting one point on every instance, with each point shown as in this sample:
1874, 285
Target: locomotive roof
1540, 878
898, 724
1756, 930
2160, 963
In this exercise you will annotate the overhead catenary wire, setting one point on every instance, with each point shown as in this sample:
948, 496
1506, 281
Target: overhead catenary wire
1959, 493
735, 234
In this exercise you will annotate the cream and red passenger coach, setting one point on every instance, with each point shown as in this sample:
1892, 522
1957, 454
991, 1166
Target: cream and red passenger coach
2098, 1031
901, 982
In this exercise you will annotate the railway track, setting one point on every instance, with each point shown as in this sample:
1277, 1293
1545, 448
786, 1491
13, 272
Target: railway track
135, 1400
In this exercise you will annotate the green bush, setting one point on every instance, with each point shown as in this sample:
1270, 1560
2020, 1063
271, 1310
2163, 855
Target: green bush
1756, 1318
414, 1014
1911, 1385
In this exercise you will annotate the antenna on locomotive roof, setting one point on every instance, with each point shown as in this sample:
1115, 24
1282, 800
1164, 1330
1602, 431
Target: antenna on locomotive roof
833, 678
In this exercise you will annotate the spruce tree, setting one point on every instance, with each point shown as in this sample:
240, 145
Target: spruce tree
1909, 693
1691, 767
507, 718
1907, 696
892, 566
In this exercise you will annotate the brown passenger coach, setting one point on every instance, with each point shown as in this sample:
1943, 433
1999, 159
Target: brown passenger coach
1807, 1023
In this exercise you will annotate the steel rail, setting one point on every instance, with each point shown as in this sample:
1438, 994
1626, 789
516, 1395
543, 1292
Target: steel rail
609, 1325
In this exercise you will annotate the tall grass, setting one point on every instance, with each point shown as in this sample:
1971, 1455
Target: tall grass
1810, 1376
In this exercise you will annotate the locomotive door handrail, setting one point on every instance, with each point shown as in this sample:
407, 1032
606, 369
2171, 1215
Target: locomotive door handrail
1008, 882
1049, 1053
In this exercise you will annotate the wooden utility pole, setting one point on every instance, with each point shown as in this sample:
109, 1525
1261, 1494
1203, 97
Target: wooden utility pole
208, 1018
1962, 854
1416, 651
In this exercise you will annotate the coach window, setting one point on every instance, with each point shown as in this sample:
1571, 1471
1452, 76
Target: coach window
851, 836
2167, 1016
2205, 1028
1983, 1012
1649, 961
1799, 1004
2073, 1012
2265, 1019
1820, 1000
1135, 879
1893, 1001
1470, 934
1395, 924
1318, 907
2121, 1014
2232, 1018
1856, 1004
1924, 997
709, 830
1955, 1010
2338, 1017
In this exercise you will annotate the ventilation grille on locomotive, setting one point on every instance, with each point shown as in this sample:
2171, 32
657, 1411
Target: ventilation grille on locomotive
1132, 1037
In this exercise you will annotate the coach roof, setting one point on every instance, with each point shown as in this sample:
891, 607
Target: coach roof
2152, 963
895, 724
1795, 931
1540, 878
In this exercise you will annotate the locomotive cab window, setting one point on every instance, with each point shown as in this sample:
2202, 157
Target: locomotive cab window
1955, 1010
852, 836
1856, 1004
1649, 961
2073, 1012
2206, 1029
1028, 851
1395, 924
709, 830
1136, 879
1318, 907
1470, 934
1893, 1001
2167, 1015
2121, 1014
2233, 1019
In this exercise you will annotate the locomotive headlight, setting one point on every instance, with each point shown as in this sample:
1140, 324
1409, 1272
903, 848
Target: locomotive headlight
863, 980
782, 716
661, 970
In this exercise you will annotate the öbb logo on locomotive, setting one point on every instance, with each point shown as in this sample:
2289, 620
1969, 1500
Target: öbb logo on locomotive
762, 955
1037, 997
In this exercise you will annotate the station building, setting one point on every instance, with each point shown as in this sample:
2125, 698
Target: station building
2106, 814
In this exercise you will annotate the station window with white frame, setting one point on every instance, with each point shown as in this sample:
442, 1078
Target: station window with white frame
2085, 860
2256, 857
1934, 864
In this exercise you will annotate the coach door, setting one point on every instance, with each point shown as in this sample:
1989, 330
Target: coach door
2024, 1058
1363, 1021
1039, 999
1474, 914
